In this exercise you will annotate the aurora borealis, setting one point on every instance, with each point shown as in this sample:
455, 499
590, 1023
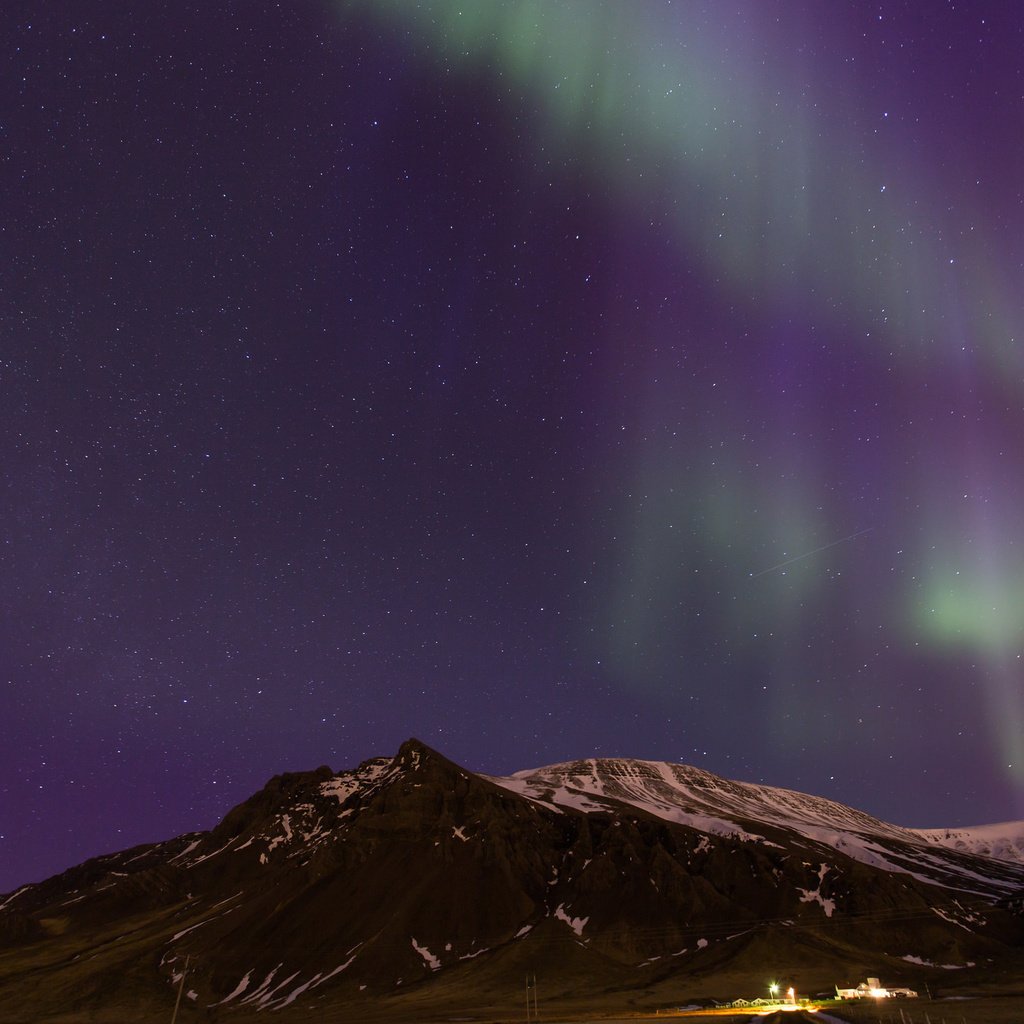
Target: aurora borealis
541, 378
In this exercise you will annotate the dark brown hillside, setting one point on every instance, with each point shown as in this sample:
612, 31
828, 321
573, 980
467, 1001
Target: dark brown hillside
413, 883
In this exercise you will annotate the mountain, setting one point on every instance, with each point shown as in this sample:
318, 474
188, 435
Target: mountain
717, 806
411, 888
1003, 842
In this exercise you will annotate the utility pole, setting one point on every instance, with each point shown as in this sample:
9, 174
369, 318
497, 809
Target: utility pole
181, 988
531, 986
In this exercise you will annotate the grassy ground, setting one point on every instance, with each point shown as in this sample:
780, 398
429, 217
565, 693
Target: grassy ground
984, 1010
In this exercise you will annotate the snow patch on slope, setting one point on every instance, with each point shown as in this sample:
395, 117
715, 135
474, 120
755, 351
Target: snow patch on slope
264, 985
577, 924
428, 958
344, 784
928, 963
239, 989
814, 896
14, 896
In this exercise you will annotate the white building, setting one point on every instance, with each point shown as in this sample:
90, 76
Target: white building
873, 989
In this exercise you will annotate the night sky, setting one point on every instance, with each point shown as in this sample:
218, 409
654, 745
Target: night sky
540, 378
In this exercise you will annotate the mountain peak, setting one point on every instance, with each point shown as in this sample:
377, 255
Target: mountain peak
414, 746
415, 755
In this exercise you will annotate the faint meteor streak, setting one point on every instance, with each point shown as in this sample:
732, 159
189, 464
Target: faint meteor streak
807, 554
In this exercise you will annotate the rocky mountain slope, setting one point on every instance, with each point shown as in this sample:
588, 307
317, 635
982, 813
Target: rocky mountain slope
411, 886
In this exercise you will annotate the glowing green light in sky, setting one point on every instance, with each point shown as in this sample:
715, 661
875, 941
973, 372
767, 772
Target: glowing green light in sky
783, 188
760, 181
982, 613
961, 612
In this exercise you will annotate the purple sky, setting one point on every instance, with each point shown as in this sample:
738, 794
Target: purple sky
543, 380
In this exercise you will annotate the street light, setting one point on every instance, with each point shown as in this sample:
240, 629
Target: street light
773, 989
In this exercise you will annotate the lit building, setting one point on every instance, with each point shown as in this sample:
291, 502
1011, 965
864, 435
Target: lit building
873, 989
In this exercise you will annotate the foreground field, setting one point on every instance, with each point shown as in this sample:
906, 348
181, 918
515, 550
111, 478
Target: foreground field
983, 1010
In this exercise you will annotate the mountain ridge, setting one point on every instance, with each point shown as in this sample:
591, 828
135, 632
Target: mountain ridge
412, 882
1008, 831
707, 801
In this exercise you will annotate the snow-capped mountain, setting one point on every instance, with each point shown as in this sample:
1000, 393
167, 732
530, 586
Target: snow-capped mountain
410, 887
1004, 841
717, 806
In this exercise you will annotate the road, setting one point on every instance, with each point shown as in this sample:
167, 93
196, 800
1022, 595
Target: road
724, 1017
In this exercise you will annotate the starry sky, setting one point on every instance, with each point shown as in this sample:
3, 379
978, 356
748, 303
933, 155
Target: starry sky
539, 378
